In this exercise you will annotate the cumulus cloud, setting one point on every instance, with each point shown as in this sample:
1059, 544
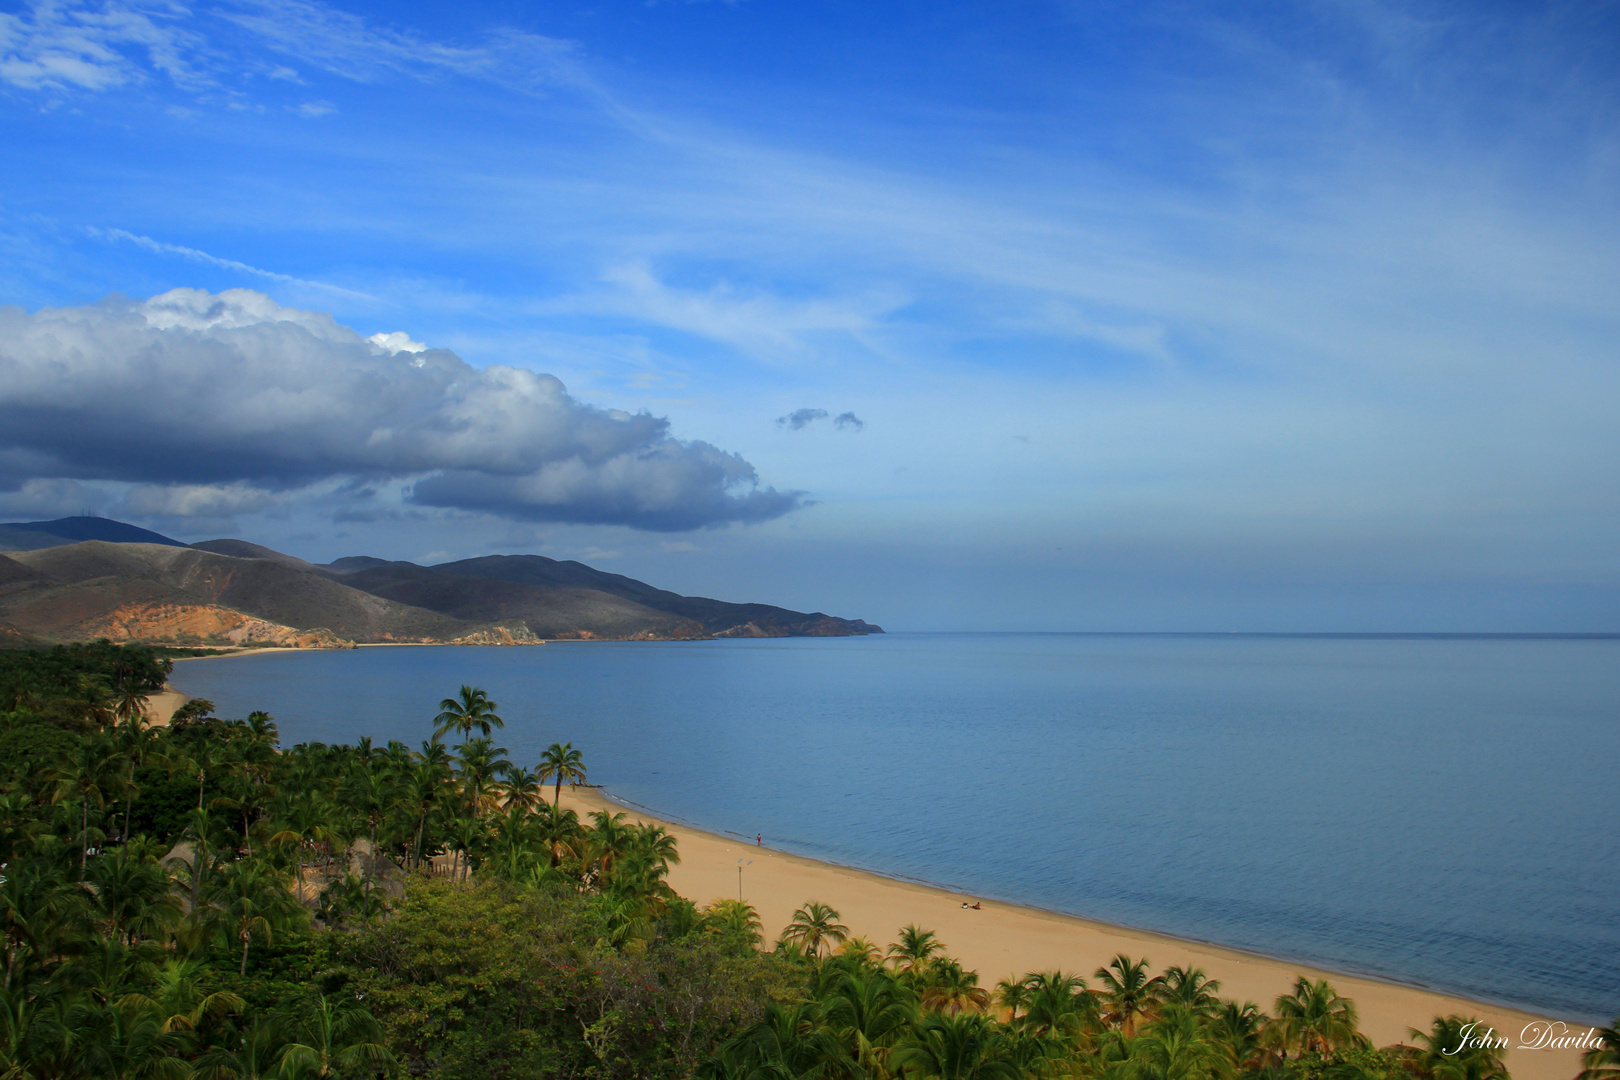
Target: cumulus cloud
212, 403
849, 420
801, 418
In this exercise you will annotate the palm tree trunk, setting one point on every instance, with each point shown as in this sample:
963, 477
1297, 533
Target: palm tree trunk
246, 941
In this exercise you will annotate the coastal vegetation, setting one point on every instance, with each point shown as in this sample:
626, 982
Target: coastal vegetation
198, 901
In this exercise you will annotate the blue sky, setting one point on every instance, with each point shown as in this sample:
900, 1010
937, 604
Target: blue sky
1199, 316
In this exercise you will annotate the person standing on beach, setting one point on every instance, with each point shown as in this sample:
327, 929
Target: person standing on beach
759, 840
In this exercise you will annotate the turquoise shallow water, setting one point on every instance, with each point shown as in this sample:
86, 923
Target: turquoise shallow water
1438, 811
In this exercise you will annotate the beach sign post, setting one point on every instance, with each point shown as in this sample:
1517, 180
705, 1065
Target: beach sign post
740, 865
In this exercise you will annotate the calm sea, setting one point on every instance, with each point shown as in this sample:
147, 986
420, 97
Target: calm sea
1437, 811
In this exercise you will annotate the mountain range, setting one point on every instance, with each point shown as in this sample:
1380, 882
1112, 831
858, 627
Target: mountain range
82, 578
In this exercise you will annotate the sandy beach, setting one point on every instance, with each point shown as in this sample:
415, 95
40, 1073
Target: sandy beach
1004, 939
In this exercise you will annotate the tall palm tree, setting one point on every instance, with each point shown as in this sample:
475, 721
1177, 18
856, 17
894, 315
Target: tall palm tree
610, 839
815, 925
130, 893
91, 773
479, 762
1128, 993
561, 762
251, 901
559, 830
469, 709
1314, 1019
915, 949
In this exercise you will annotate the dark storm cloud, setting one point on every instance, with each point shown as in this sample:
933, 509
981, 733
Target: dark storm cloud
190, 388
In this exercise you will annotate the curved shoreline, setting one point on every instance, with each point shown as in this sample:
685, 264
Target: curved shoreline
1004, 938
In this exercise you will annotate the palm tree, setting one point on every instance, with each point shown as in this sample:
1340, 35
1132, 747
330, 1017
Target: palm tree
862, 951
1189, 986
1447, 1052
868, 1011
251, 900
915, 949
734, 919
1056, 1003
1012, 994
788, 1041
1602, 1062
560, 831
1176, 1047
561, 762
610, 839
481, 761
813, 926
950, 988
469, 709
1314, 1019
333, 1038
1239, 1029
92, 772
1128, 992
521, 788
131, 894
967, 1047
178, 992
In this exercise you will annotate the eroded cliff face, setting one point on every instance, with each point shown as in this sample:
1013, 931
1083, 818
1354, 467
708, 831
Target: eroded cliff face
516, 634
203, 624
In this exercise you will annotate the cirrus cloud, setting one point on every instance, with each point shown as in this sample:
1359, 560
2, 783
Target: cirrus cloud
222, 399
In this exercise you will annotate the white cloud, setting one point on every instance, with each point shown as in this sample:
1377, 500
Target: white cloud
397, 342
199, 500
210, 400
59, 45
760, 323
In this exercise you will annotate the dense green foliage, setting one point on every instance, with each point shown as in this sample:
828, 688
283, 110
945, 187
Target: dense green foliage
197, 901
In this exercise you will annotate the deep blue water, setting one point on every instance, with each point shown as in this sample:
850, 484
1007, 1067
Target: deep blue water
1438, 811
